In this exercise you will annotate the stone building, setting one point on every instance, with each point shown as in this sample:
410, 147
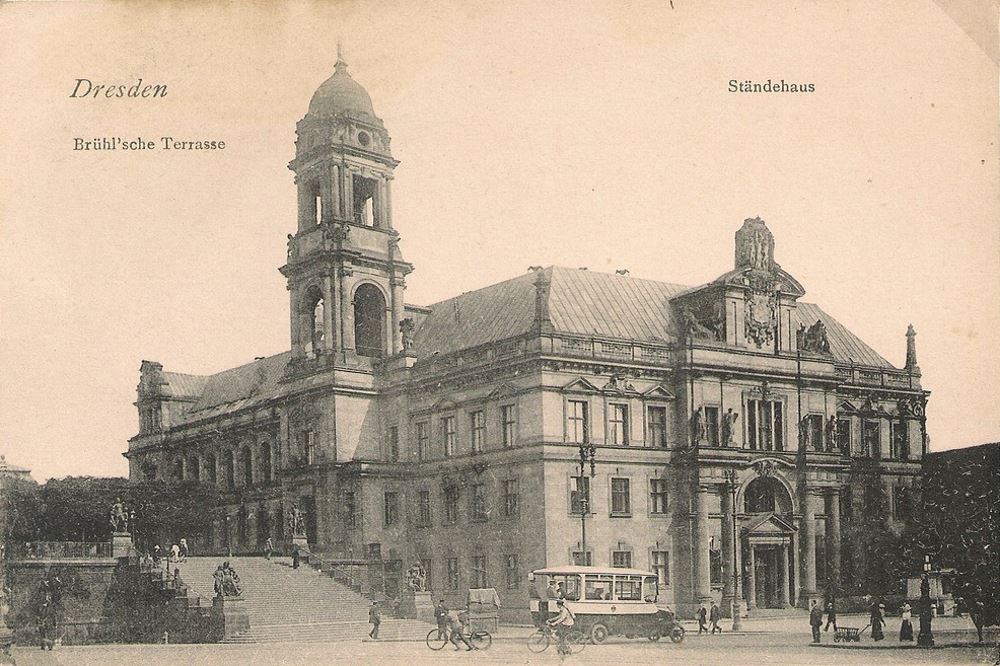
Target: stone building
452, 434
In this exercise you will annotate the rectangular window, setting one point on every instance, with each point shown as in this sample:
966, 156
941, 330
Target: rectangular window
659, 561
479, 577
901, 507
307, 447
765, 425
658, 496
900, 440
422, 439
577, 428
511, 572
350, 509
621, 559
579, 494
451, 497
581, 559
844, 435
510, 499
870, 439
394, 444
477, 430
812, 425
656, 426
448, 435
391, 508
621, 500
618, 425
424, 508
712, 425
451, 570
508, 425
478, 501
715, 566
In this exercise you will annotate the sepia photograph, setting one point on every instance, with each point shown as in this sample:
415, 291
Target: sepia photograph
437, 331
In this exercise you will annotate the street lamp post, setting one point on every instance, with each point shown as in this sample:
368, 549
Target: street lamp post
587, 454
737, 606
926, 637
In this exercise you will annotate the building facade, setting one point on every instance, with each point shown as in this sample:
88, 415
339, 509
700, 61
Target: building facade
692, 431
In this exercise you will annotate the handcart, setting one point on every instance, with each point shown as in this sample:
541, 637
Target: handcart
848, 634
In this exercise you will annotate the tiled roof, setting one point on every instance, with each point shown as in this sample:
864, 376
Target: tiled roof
236, 388
180, 385
844, 345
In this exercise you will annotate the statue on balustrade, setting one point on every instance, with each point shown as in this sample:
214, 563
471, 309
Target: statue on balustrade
698, 427
406, 328
814, 338
831, 433
729, 426
120, 516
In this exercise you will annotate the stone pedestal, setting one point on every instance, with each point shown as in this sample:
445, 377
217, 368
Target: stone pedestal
416, 605
230, 617
121, 545
300, 542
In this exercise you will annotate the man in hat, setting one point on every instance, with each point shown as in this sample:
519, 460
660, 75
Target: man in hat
702, 615
375, 618
715, 615
441, 617
815, 620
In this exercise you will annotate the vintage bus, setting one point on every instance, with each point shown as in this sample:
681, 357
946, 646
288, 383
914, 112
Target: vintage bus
604, 601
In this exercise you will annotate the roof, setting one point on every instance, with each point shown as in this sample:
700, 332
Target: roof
341, 94
577, 569
11, 469
236, 388
593, 304
179, 385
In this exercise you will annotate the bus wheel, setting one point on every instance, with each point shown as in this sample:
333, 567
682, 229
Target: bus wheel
655, 636
677, 634
598, 633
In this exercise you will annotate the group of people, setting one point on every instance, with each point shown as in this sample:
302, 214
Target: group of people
876, 620
178, 553
227, 581
713, 616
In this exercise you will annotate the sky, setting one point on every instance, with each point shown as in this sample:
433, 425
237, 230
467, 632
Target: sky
587, 134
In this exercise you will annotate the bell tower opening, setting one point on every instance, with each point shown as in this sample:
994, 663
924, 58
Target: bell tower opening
365, 201
314, 316
369, 321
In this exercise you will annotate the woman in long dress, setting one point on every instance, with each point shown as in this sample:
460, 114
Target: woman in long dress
877, 621
906, 628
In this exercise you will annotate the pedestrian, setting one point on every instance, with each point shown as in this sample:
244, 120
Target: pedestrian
175, 554
702, 614
268, 548
831, 614
441, 617
218, 576
295, 558
715, 615
877, 620
183, 550
551, 592
906, 626
156, 556
375, 618
815, 620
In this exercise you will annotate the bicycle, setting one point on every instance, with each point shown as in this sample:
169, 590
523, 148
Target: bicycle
539, 641
479, 639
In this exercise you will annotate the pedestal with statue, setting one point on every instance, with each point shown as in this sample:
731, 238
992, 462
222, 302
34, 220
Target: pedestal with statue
415, 601
297, 527
122, 523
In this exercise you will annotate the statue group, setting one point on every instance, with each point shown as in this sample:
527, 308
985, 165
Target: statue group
814, 338
416, 578
296, 521
122, 520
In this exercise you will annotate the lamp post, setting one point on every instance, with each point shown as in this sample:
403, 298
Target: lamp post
587, 453
737, 606
926, 637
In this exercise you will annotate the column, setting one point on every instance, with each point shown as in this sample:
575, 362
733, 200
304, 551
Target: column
334, 177
728, 588
785, 602
833, 538
293, 307
751, 578
699, 547
397, 314
348, 194
388, 203
807, 549
347, 310
326, 187
330, 336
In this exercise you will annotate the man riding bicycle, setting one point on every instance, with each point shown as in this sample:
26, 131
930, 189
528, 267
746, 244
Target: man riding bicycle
457, 628
562, 623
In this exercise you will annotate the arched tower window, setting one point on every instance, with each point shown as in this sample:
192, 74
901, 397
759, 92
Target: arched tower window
365, 201
767, 495
315, 314
369, 321
247, 467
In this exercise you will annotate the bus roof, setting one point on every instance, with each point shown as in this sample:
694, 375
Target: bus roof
572, 569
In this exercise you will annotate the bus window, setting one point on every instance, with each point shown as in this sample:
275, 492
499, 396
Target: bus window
650, 591
568, 584
628, 588
597, 587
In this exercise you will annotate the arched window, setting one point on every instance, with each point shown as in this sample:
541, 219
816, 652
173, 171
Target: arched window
247, 467
314, 315
369, 321
265, 462
210, 473
766, 495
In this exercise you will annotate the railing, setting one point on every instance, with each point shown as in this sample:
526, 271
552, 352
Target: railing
62, 550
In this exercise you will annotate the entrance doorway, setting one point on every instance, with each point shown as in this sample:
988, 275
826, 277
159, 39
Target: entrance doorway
768, 577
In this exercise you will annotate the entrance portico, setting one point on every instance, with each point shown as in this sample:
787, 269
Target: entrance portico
767, 544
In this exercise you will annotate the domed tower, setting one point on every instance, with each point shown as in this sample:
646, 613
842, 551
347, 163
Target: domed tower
345, 271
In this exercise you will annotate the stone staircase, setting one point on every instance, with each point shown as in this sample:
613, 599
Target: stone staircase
296, 605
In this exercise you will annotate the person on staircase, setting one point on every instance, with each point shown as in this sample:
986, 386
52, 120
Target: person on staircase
375, 618
268, 548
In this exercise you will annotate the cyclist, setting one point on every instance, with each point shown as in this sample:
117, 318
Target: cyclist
456, 628
562, 623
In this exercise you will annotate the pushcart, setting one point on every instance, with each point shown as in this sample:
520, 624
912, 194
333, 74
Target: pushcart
848, 634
